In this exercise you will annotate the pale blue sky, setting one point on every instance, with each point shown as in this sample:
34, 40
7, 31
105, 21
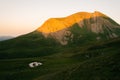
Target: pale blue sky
23, 16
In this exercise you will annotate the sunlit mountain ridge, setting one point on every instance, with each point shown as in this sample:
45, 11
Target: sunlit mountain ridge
56, 24
97, 23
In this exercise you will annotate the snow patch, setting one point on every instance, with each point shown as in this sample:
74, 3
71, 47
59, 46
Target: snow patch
34, 64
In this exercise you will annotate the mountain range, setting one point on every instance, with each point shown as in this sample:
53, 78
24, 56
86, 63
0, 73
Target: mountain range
82, 46
2, 38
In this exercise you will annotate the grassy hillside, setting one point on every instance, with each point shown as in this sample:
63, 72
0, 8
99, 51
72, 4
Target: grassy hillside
27, 45
100, 61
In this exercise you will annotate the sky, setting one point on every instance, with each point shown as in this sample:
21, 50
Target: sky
18, 17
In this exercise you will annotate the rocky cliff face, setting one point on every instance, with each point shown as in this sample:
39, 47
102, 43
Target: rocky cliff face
70, 28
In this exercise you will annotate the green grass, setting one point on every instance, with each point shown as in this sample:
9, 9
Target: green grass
72, 63
27, 45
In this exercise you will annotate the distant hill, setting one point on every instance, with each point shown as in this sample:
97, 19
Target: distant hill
2, 38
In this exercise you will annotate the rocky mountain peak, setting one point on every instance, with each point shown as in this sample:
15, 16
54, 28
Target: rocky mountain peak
83, 22
56, 24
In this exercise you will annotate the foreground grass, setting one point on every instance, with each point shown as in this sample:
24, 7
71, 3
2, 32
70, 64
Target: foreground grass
97, 62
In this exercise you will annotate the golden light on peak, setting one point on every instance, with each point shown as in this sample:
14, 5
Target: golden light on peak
56, 24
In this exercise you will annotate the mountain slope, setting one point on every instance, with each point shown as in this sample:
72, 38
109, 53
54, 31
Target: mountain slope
96, 62
96, 23
29, 45
79, 29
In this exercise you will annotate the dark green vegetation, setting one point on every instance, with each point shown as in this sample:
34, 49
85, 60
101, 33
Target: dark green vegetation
27, 45
99, 61
82, 36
